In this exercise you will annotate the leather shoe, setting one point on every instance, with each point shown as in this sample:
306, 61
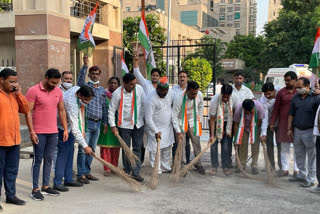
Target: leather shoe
92, 178
61, 188
201, 170
15, 200
73, 184
295, 179
83, 180
255, 171
138, 178
307, 184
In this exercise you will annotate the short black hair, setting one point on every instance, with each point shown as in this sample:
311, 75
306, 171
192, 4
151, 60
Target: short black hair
94, 68
114, 78
156, 70
221, 80
268, 86
86, 91
248, 104
5, 73
192, 85
291, 74
128, 77
53, 73
238, 73
182, 71
306, 82
66, 72
226, 89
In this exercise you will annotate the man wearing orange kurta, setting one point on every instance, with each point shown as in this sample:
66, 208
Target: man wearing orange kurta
12, 103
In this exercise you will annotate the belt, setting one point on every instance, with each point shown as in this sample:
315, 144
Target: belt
94, 120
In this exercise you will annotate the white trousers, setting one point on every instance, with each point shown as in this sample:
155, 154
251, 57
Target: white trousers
164, 162
285, 157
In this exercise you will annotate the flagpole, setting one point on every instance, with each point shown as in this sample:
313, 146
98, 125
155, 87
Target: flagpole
168, 35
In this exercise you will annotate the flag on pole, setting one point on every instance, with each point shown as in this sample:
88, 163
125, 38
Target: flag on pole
315, 57
146, 44
86, 42
124, 68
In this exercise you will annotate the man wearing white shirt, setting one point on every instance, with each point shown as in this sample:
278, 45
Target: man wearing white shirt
187, 115
148, 87
177, 91
240, 91
268, 100
128, 100
159, 124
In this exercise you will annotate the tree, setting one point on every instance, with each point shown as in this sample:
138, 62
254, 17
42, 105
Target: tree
250, 49
199, 70
156, 34
289, 39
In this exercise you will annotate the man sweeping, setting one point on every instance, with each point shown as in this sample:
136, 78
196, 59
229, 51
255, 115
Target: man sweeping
158, 124
187, 115
247, 124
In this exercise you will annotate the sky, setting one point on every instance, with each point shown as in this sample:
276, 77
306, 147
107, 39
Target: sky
262, 14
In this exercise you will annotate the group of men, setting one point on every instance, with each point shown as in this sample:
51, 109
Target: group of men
60, 115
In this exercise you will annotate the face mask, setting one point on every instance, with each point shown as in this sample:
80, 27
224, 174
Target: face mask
94, 83
67, 85
82, 103
301, 91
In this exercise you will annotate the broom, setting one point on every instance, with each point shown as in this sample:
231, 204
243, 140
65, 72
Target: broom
240, 165
132, 158
155, 176
185, 169
133, 184
269, 170
177, 162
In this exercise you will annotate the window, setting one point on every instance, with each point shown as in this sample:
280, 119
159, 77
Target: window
236, 15
221, 16
222, 9
230, 17
211, 5
230, 1
238, 1
128, 9
237, 24
229, 25
189, 17
238, 32
237, 9
250, 18
230, 9
160, 4
222, 25
223, 1
275, 1
274, 13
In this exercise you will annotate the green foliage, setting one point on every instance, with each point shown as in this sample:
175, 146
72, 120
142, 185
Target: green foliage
156, 34
250, 49
290, 38
199, 70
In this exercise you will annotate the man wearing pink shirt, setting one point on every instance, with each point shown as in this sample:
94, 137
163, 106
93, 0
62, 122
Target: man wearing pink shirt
44, 100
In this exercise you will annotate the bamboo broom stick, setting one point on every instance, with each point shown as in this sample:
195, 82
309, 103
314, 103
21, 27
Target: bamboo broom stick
130, 155
155, 176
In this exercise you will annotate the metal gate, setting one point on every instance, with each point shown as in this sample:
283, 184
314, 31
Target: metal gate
178, 52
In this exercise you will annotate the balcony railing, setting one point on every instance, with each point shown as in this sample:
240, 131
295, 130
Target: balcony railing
82, 8
6, 5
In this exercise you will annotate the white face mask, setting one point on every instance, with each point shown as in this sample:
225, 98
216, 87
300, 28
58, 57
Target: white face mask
94, 83
67, 85
301, 91
82, 103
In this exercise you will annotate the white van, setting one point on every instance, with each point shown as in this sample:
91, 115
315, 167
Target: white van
276, 75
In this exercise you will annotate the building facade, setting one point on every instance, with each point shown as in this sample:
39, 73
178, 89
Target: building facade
38, 34
274, 9
238, 14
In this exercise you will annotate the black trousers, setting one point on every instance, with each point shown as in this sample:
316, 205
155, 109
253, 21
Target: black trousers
318, 159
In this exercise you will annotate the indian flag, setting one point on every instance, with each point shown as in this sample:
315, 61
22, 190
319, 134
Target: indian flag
315, 57
146, 44
124, 68
86, 42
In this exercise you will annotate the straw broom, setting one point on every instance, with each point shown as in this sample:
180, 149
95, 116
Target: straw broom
177, 162
133, 184
132, 158
239, 165
185, 169
269, 170
155, 176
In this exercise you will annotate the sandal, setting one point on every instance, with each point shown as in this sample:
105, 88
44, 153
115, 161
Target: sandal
213, 172
227, 172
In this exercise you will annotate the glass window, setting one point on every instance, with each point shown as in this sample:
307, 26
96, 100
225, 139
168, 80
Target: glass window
230, 17
237, 16
230, 9
229, 25
222, 9
221, 16
222, 25
230, 1
238, 1
189, 17
160, 4
223, 1
237, 9
128, 9
237, 24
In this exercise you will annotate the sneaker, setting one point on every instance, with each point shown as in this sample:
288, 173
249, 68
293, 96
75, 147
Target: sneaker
50, 191
255, 170
201, 170
36, 195
61, 188
73, 184
83, 180
15, 200
315, 190
307, 184
138, 178
92, 178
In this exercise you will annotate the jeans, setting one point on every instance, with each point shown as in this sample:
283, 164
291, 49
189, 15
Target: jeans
136, 136
43, 150
83, 160
9, 165
226, 146
64, 159
270, 149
